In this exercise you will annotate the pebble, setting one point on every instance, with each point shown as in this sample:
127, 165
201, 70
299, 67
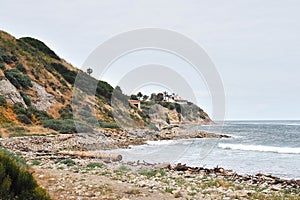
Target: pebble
44, 148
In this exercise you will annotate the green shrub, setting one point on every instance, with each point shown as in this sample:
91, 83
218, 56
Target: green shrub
93, 165
26, 98
2, 66
178, 107
66, 126
91, 86
202, 116
35, 162
66, 112
38, 45
144, 114
171, 106
26, 115
4, 57
20, 161
18, 108
164, 104
123, 168
86, 83
24, 119
68, 75
169, 190
36, 76
21, 68
17, 183
92, 120
39, 114
16, 129
104, 89
84, 113
18, 79
152, 173
62, 100
134, 97
2, 101
53, 86
68, 162
109, 125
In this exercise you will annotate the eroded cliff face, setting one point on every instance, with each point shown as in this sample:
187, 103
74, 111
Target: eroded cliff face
44, 99
10, 92
188, 114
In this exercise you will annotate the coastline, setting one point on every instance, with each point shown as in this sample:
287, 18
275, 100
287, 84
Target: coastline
72, 176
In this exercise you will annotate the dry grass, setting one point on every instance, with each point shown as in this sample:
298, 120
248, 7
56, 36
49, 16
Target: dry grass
29, 130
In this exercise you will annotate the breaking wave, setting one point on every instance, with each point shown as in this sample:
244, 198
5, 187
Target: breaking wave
261, 148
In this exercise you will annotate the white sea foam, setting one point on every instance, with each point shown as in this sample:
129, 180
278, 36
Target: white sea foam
160, 142
262, 148
292, 124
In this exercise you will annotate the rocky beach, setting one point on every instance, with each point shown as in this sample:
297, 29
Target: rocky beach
67, 166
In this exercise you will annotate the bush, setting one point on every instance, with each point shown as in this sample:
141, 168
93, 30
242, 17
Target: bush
66, 126
24, 119
36, 76
85, 113
2, 101
25, 98
18, 108
178, 107
26, 115
35, 162
108, 125
39, 114
68, 162
68, 75
38, 45
2, 66
20, 161
171, 106
133, 97
104, 89
52, 85
4, 57
91, 86
152, 173
62, 100
93, 165
21, 68
92, 120
202, 116
66, 112
17, 183
18, 79
17, 129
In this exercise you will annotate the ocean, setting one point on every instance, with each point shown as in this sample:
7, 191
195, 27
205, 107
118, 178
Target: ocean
268, 147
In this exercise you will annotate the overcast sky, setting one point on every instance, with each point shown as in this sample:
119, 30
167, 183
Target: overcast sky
254, 44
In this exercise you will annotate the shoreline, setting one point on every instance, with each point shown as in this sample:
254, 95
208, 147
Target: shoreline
60, 172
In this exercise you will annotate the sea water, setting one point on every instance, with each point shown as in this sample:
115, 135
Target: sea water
269, 147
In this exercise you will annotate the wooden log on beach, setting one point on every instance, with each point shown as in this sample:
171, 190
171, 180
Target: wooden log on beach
84, 154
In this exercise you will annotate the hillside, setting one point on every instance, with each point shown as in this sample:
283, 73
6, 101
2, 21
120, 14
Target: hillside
36, 88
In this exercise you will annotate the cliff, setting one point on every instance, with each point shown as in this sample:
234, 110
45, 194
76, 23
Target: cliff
36, 88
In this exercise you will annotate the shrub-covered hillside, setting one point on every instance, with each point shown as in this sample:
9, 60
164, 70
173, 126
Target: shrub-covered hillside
36, 89
36, 86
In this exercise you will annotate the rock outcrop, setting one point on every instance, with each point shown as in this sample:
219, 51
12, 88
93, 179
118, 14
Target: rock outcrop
45, 99
10, 92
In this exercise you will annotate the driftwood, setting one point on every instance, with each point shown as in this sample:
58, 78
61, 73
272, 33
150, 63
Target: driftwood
257, 179
84, 154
